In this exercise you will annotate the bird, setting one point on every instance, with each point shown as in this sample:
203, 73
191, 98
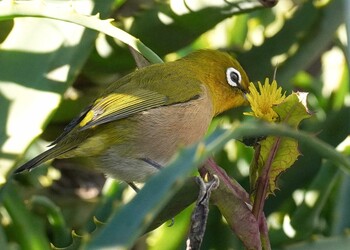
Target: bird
133, 129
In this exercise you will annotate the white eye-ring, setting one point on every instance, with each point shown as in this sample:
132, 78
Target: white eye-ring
233, 77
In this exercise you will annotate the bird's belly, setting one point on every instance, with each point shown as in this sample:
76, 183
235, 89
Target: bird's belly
124, 168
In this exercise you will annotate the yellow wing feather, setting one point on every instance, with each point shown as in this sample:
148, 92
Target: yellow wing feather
116, 106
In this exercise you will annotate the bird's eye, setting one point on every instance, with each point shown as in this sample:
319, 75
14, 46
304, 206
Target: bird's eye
233, 77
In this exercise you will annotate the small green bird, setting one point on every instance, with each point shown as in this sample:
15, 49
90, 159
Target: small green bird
139, 121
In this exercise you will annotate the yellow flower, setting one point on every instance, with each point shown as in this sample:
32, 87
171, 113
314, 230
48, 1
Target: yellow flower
262, 101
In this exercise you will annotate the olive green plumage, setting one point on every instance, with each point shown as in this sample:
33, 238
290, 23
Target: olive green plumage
139, 121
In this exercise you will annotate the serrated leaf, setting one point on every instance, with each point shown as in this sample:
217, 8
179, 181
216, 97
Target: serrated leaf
278, 154
293, 109
287, 153
30, 233
76, 241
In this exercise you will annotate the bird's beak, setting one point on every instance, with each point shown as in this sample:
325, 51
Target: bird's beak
245, 97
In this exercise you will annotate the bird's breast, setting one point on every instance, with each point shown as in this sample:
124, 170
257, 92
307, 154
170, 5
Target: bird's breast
163, 130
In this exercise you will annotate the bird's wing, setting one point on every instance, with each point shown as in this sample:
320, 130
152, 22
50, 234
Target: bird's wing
123, 103
115, 106
132, 95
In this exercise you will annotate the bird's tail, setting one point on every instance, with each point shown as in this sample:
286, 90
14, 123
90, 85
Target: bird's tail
41, 158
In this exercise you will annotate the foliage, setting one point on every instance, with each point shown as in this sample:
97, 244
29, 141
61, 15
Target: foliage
53, 62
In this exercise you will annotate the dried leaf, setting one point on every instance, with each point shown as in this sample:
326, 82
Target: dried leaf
140, 60
200, 214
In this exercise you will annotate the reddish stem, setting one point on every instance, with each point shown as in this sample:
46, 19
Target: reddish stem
263, 181
240, 192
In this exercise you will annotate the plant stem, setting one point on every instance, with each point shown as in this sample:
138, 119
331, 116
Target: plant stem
263, 181
239, 191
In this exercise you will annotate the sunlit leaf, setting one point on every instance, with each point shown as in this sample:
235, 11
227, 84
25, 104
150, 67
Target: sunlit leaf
276, 153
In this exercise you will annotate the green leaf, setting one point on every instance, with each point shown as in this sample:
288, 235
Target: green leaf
134, 218
60, 233
320, 243
293, 109
29, 232
287, 153
189, 24
309, 39
276, 153
49, 60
